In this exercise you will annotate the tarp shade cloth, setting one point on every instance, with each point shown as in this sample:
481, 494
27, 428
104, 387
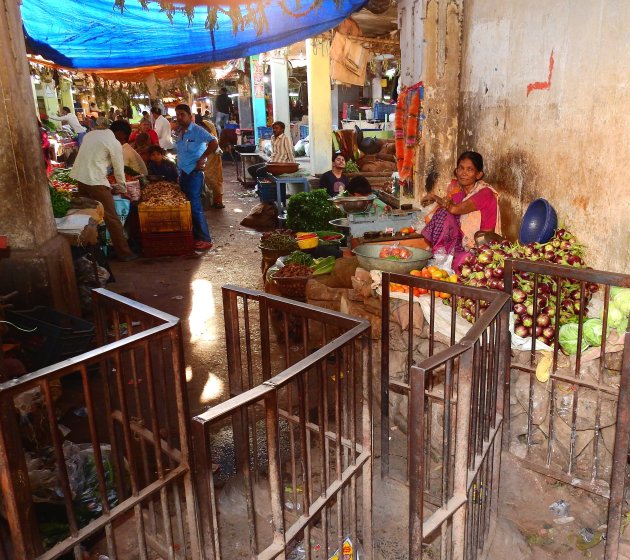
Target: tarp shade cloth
90, 34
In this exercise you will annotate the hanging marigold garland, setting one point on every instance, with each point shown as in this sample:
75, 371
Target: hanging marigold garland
406, 132
412, 135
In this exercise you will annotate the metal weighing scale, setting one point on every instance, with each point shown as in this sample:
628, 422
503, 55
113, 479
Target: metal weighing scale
357, 224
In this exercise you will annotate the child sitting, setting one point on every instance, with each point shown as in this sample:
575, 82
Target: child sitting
158, 165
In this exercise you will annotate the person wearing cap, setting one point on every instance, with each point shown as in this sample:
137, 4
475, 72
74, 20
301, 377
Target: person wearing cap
194, 144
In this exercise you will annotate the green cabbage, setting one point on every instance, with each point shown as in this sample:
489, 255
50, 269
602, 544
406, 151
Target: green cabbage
616, 318
568, 338
622, 300
592, 331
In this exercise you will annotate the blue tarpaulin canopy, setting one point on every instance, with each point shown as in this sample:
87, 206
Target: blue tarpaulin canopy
91, 34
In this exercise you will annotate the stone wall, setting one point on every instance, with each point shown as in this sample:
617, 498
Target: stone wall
544, 97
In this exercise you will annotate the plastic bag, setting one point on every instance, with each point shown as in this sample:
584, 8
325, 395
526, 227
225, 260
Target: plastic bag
442, 260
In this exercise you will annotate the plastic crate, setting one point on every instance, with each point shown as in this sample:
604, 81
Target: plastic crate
303, 131
268, 192
167, 244
164, 219
382, 110
58, 336
265, 132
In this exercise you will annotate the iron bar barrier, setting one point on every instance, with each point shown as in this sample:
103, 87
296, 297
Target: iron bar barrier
131, 393
297, 430
454, 393
575, 426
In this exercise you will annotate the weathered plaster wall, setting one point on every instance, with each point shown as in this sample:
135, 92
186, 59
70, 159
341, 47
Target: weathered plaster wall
430, 42
545, 96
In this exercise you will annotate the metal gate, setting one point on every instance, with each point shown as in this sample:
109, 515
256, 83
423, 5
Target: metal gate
452, 469
293, 444
129, 491
562, 439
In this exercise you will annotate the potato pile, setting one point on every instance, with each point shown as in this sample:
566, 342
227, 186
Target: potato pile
163, 193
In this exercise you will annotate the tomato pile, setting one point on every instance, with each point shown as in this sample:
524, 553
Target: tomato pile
112, 180
62, 186
432, 272
395, 253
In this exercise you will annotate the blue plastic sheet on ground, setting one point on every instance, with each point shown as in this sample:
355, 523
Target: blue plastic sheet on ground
91, 34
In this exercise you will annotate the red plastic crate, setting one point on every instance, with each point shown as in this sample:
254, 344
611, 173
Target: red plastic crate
167, 244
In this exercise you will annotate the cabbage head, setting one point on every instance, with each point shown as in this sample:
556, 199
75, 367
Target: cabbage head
622, 300
616, 318
592, 331
568, 338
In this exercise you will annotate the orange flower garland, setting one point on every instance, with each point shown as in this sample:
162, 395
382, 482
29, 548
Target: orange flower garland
410, 139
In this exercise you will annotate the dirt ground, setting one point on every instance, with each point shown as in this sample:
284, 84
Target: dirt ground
190, 288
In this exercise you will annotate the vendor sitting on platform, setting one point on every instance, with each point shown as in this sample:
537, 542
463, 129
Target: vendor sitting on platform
334, 181
281, 151
470, 206
159, 165
360, 186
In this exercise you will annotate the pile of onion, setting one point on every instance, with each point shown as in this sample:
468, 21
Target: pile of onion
484, 268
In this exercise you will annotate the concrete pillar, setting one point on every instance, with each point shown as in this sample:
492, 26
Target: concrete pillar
51, 102
258, 94
246, 118
319, 103
40, 266
377, 88
334, 101
280, 90
34, 90
67, 98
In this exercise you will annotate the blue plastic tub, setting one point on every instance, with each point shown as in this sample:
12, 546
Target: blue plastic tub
538, 223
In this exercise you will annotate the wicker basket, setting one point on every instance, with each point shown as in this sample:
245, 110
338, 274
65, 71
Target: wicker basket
292, 286
274, 254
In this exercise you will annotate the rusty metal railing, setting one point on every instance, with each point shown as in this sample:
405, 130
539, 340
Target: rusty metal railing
293, 445
561, 438
131, 392
452, 469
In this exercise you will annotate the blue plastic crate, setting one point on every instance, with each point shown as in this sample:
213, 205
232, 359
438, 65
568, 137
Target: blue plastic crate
265, 132
303, 131
382, 110
268, 192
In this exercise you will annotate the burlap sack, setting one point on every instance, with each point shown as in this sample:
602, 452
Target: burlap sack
261, 217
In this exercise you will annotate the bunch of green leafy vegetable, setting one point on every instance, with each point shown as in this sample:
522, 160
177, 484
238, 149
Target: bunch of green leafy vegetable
63, 175
299, 257
60, 202
311, 211
351, 167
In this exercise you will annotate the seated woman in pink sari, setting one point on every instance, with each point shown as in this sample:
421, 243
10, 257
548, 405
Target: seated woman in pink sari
470, 205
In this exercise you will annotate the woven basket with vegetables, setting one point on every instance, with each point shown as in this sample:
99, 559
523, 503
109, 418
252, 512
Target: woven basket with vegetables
298, 268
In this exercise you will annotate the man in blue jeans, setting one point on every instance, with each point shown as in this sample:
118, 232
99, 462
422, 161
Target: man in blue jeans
193, 145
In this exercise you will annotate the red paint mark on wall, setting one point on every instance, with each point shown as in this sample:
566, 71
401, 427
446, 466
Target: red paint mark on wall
542, 85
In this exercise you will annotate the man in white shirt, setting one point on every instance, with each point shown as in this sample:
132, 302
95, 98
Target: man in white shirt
100, 151
132, 159
162, 128
69, 118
